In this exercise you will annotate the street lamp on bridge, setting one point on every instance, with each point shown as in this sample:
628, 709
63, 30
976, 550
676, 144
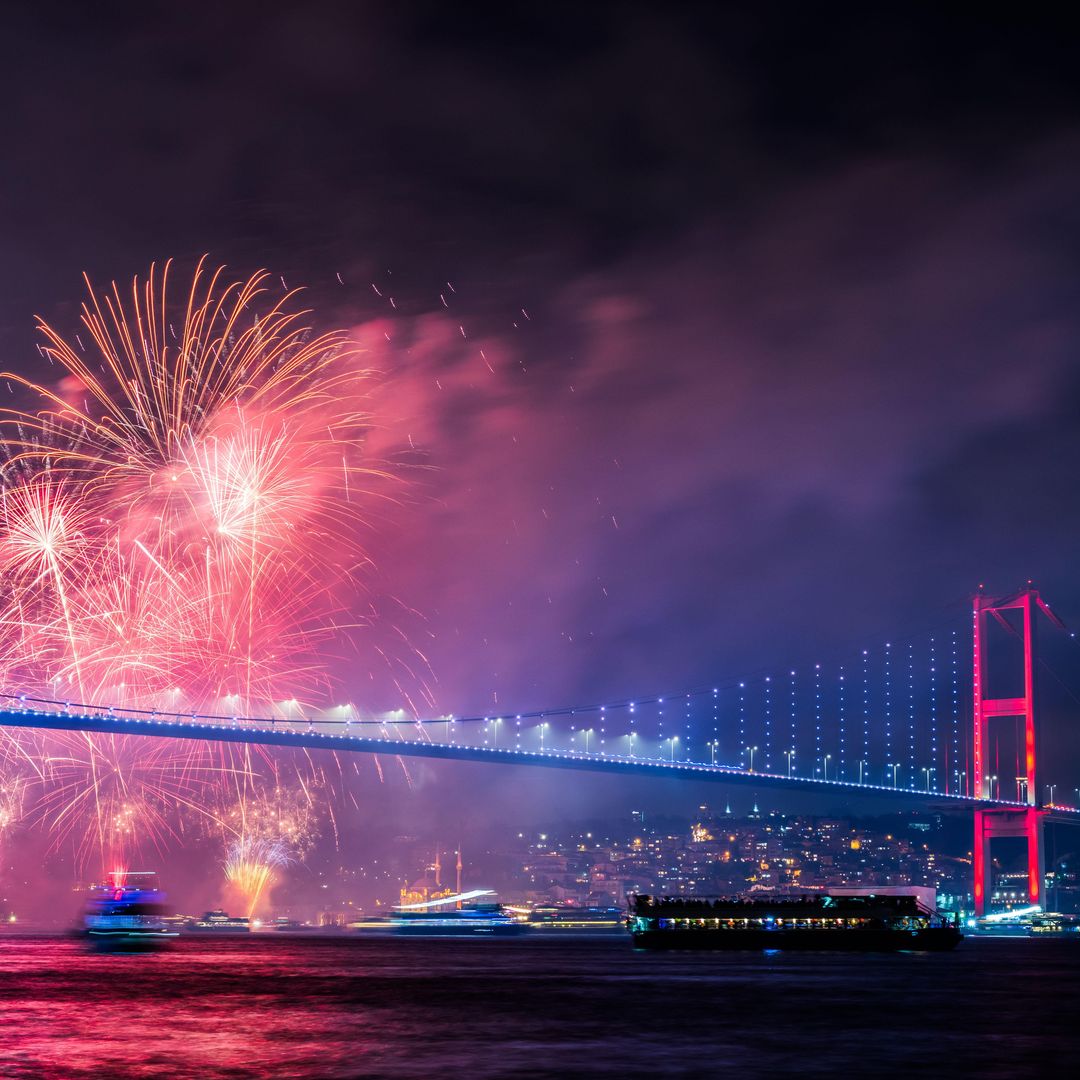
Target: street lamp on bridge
861, 764
927, 770
895, 769
751, 749
673, 740
789, 754
825, 763
712, 749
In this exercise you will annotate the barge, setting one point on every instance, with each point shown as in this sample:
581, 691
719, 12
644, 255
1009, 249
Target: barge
868, 923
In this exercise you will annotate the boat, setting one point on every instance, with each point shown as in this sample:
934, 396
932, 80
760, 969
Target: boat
461, 914
867, 922
123, 914
470, 920
591, 919
1027, 923
285, 925
372, 924
1054, 924
217, 922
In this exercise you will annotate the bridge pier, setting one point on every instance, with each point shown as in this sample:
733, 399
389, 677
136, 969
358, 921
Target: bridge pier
993, 823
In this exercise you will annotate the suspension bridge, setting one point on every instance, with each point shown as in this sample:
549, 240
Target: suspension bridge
925, 721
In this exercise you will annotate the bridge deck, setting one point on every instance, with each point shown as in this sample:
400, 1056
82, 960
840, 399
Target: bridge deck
284, 734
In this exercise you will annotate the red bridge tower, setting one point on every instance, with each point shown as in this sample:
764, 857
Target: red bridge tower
1025, 821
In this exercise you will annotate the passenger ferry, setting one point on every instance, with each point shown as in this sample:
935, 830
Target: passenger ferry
850, 921
284, 925
1054, 924
599, 920
217, 922
469, 918
1026, 922
124, 914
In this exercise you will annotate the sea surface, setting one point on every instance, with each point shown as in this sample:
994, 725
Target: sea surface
273, 1006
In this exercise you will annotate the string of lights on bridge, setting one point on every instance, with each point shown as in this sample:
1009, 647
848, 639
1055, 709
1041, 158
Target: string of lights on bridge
892, 720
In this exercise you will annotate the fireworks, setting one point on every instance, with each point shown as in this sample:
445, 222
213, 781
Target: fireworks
188, 475
179, 523
12, 789
267, 833
249, 869
129, 795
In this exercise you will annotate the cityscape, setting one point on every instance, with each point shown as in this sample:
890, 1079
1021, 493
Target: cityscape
708, 852
564, 869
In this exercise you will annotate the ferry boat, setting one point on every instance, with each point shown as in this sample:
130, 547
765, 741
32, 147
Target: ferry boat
579, 919
1054, 924
852, 921
468, 917
217, 922
1026, 922
123, 914
284, 925
482, 920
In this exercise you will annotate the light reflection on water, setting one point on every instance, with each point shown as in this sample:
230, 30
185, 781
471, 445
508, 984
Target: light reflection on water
271, 1007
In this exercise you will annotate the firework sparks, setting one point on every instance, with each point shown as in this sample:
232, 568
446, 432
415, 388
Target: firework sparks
12, 790
178, 525
267, 833
130, 795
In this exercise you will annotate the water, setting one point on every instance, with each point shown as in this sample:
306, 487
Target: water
271, 1007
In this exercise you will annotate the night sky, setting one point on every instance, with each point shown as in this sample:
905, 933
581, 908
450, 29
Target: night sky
778, 309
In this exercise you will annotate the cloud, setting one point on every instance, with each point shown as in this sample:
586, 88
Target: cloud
698, 436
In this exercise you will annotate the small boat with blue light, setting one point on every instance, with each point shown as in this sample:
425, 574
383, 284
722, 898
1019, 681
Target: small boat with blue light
128, 912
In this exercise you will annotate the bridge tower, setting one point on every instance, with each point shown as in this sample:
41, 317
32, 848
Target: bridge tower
1028, 821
